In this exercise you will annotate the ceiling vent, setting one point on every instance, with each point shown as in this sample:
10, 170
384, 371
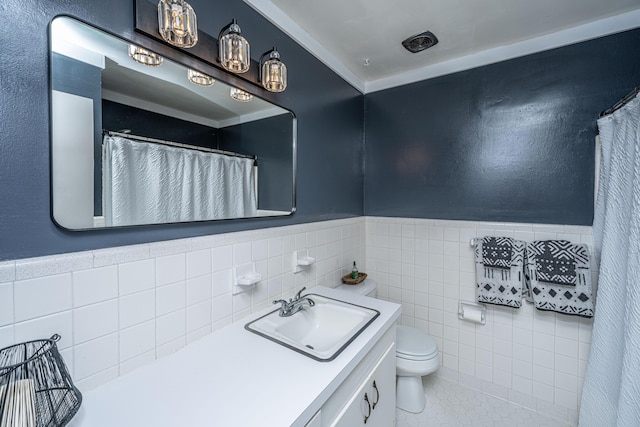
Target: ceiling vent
420, 42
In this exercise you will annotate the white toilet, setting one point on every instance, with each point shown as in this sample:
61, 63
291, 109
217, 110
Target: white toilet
416, 356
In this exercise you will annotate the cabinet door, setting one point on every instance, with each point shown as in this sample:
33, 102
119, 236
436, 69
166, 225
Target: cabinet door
382, 391
373, 405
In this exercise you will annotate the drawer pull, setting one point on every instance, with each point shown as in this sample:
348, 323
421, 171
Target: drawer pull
366, 399
375, 387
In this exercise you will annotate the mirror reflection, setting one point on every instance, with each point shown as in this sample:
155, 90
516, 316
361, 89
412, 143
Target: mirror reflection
140, 139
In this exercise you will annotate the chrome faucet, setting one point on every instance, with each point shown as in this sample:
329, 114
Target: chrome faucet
294, 304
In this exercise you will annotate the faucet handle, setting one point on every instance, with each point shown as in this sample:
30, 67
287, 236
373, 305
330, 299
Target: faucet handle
297, 297
285, 307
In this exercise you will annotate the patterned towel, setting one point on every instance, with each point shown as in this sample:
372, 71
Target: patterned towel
556, 261
497, 252
544, 284
498, 285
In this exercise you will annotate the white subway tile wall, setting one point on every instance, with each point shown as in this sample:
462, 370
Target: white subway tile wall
533, 358
118, 309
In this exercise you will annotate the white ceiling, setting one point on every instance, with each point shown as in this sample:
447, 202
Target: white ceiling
343, 33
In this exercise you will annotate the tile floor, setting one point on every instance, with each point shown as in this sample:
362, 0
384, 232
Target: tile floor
453, 405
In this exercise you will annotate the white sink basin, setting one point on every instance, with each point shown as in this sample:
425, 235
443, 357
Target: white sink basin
320, 332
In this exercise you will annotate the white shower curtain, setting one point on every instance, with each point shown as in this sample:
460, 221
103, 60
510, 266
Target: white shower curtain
146, 183
612, 382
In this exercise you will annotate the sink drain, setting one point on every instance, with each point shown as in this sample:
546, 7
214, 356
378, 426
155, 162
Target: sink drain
309, 346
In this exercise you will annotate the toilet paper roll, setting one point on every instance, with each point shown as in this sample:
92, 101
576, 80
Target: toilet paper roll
472, 314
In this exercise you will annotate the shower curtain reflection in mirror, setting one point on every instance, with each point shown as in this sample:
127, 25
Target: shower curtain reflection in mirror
147, 183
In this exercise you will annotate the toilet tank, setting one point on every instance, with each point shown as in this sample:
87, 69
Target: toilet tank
367, 288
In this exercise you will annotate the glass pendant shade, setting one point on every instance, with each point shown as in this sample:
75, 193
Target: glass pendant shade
200, 78
240, 95
177, 23
273, 73
143, 56
233, 49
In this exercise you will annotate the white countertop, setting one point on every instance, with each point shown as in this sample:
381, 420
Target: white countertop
232, 378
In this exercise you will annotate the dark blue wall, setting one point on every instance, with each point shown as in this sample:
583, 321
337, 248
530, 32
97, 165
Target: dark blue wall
512, 141
506, 142
269, 140
329, 111
116, 116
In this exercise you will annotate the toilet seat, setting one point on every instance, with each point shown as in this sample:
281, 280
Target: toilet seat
414, 344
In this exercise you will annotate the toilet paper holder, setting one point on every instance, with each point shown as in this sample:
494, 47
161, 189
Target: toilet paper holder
472, 312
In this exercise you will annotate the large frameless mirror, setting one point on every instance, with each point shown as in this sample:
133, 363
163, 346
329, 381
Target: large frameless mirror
140, 139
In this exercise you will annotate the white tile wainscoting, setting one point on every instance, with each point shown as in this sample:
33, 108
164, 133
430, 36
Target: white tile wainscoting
533, 358
120, 308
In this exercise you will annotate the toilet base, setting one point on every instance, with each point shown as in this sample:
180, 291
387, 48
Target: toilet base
410, 395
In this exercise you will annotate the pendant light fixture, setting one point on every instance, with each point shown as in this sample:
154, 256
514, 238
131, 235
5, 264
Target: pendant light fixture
273, 72
199, 78
145, 57
240, 95
177, 23
233, 49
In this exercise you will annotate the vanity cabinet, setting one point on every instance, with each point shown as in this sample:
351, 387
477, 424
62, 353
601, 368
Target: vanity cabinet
374, 403
368, 396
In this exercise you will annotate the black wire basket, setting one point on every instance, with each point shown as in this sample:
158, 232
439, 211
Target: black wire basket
35, 387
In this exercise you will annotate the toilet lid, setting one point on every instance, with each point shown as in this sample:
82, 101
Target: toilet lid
413, 343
